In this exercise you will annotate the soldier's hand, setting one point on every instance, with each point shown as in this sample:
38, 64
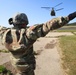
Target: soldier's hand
72, 16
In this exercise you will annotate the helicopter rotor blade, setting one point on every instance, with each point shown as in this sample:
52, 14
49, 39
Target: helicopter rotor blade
59, 9
58, 4
46, 7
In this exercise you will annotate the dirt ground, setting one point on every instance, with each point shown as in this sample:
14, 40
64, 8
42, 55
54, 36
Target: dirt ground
48, 60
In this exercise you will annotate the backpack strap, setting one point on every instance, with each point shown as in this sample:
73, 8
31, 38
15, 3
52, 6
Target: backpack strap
14, 36
21, 35
8, 46
4, 36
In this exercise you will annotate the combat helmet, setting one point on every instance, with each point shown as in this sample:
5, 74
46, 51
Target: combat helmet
19, 19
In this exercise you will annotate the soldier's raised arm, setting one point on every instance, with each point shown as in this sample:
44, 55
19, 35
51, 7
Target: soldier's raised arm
57, 23
40, 30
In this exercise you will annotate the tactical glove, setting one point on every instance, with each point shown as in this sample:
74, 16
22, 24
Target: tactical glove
72, 15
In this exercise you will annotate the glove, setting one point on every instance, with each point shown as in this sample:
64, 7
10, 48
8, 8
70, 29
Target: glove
72, 15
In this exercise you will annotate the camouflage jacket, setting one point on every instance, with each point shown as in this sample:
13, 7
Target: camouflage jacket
26, 37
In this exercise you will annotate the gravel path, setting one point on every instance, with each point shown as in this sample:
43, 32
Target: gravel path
48, 62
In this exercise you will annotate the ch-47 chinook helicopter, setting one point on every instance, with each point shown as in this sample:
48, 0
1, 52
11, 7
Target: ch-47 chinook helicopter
53, 10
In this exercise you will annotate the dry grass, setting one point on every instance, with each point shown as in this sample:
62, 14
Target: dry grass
68, 47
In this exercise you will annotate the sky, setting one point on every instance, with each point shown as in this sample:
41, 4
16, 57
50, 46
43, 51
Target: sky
32, 8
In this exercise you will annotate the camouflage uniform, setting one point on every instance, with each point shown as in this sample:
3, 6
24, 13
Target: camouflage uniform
22, 53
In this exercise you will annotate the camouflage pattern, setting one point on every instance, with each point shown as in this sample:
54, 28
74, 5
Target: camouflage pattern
22, 54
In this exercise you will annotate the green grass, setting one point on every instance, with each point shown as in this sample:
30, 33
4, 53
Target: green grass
68, 47
67, 29
4, 71
4, 51
2, 68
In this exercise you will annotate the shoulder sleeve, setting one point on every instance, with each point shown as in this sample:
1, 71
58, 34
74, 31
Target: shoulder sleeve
41, 30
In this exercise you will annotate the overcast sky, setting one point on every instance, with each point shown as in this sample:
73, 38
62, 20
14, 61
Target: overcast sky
32, 8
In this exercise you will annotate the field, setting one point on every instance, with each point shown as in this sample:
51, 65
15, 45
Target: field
68, 48
67, 29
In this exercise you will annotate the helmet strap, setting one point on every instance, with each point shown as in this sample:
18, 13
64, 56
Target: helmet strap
19, 26
23, 25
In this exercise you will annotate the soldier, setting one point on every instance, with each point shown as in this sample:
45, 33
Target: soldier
19, 39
